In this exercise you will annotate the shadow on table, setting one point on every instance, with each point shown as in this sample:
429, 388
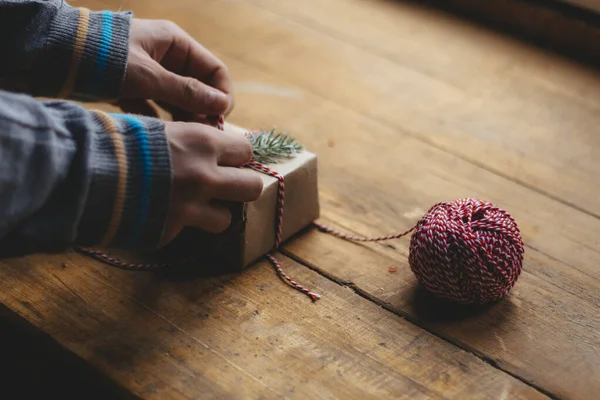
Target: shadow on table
33, 365
456, 323
549, 25
429, 308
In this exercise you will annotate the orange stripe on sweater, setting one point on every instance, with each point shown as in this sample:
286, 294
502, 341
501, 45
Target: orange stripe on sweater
111, 129
78, 47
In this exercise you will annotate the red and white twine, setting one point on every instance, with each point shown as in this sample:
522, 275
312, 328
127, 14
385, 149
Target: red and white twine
467, 251
278, 220
278, 232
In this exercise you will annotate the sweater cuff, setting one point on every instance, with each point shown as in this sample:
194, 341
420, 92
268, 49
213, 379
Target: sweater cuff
130, 192
86, 54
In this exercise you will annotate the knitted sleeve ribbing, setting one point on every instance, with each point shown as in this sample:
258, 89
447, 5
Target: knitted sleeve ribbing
71, 176
52, 49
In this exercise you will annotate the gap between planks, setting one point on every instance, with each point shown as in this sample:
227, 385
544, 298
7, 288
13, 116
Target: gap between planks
102, 279
412, 320
386, 247
344, 284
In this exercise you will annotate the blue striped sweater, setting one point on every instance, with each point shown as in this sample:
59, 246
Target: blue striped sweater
70, 175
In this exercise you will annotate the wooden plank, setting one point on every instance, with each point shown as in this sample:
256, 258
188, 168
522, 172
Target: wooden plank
426, 174
34, 366
244, 336
361, 191
546, 333
555, 305
366, 195
545, 336
567, 27
517, 111
381, 182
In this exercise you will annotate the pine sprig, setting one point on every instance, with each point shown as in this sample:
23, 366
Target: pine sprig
270, 147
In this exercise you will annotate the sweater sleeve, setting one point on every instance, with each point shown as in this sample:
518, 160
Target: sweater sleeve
72, 176
52, 49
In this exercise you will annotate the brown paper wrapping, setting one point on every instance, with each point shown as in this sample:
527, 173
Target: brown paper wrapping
252, 232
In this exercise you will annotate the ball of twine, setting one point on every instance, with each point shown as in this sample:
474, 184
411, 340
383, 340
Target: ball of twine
467, 251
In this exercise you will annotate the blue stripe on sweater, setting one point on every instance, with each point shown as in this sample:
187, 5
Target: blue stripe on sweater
141, 135
103, 49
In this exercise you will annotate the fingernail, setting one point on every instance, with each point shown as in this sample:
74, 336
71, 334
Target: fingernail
219, 99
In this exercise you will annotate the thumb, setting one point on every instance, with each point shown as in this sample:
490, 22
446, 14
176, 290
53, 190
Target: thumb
172, 230
189, 94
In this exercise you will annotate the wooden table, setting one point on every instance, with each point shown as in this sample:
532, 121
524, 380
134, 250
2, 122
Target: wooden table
405, 106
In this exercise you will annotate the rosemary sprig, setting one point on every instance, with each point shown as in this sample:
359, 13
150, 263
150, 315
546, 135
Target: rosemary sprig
271, 146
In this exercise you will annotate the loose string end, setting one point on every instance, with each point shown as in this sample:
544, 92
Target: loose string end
115, 262
219, 123
314, 296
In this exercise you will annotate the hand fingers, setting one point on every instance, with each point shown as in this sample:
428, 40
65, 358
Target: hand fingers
237, 184
188, 57
234, 149
183, 116
137, 106
211, 218
189, 94
231, 149
176, 113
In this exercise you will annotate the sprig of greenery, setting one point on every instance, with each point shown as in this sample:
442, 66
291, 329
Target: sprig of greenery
270, 146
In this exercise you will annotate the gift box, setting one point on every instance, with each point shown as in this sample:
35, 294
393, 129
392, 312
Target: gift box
253, 230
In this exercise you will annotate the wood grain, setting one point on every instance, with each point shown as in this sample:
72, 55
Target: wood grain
553, 321
363, 193
33, 366
245, 336
515, 110
540, 333
371, 198
404, 107
567, 27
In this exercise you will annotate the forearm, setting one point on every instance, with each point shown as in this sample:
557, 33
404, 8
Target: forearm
51, 49
73, 176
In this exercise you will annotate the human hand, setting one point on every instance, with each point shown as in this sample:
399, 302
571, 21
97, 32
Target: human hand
205, 162
168, 66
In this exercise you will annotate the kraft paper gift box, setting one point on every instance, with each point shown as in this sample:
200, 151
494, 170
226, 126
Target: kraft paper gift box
252, 232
